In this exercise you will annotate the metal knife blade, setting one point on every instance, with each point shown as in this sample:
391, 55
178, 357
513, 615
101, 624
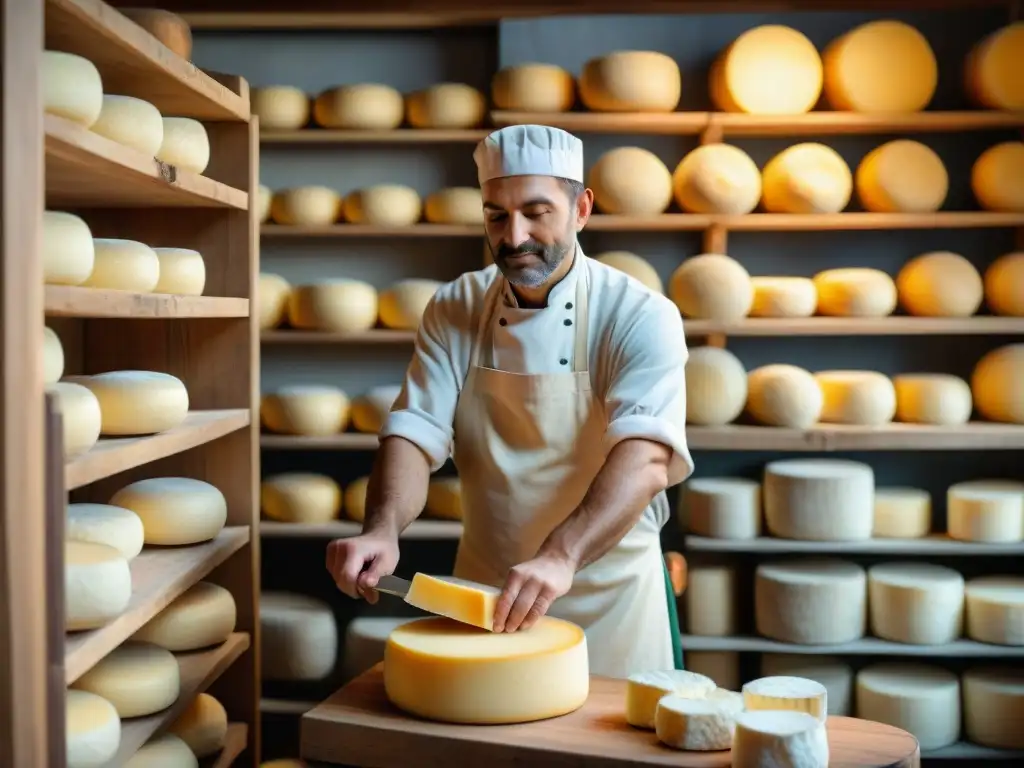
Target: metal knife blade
393, 585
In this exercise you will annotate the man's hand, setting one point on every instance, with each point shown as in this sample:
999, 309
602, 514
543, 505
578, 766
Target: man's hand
357, 564
529, 590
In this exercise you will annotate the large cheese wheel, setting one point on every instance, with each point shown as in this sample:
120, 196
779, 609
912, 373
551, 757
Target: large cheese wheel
723, 667
446, 105
902, 513
830, 671
310, 206
916, 603
53, 356
370, 410
712, 286
93, 730
401, 306
867, 398
263, 196
723, 507
175, 510
1004, 285
115, 527
710, 600
996, 384
716, 386
633, 265
533, 88
811, 602
163, 751
280, 107
137, 402
364, 106
444, 498
454, 205
123, 265
806, 178
783, 297
932, 398
717, 178
304, 409
645, 689
986, 510
169, 28
300, 497
383, 205
992, 69
997, 177
883, 66
80, 413
767, 70
355, 499
440, 669
773, 737
97, 585
365, 638
139, 679
273, 300
855, 292
72, 87
995, 610
182, 272
902, 176
203, 726
68, 250
631, 81
796, 490
204, 615
993, 707
299, 636
785, 693
340, 306
630, 181
185, 144
921, 699
783, 395
939, 284
132, 122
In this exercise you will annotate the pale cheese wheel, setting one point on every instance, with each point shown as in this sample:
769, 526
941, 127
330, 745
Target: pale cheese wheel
71, 87
785, 693
768, 70
723, 667
365, 638
992, 69
339, 306
855, 292
364, 106
263, 196
783, 395
939, 284
902, 176
182, 271
68, 250
797, 490
716, 386
902, 513
698, 725
883, 66
81, 417
280, 107
401, 306
806, 178
866, 398
310, 206
633, 265
139, 679
811, 602
446, 106
304, 409
1004, 285
169, 28
915, 603
355, 499
995, 610
996, 384
299, 636
175, 510
997, 178
711, 600
630, 181
273, 300
203, 616
712, 286
932, 398
631, 81
723, 507
123, 265
203, 726
986, 510
717, 178
137, 402
115, 527
97, 585
783, 297
300, 497
533, 88
185, 144
92, 730
163, 751
454, 205
131, 122
781, 738
994, 707
370, 410
53, 356
921, 699
444, 498
383, 205
830, 671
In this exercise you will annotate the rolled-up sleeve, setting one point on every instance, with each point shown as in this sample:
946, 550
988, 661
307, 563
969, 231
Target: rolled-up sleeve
646, 394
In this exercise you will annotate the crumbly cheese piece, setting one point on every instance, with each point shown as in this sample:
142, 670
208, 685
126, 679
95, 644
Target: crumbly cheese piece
866, 398
458, 599
533, 88
806, 178
986, 510
783, 297
786, 693
631, 81
645, 689
300, 497
997, 177
779, 739
630, 181
93, 730
163, 751
783, 395
995, 384
203, 726
1004, 285
365, 638
354, 502
53, 356
137, 402
383, 205
711, 600
444, 498
716, 386
444, 670
97, 585
995, 610
115, 527
72, 87
723, 507
132, 122
902, 176
717, 178
80, 412
203, 616
855, 292
454, 205
175, 510
915, 603
633, 265
68, 252
933, 398
699, 725
370, 410
830, 671
338, 306
360, 107
811, 602
446, 106
299, 636
182, 272
797, 490
712, 286
921, 699
723, 667
939, 284
273, 300
139, 679
993, 67
305, 409
402, 305
185, 144
280, 107
309, 206
994, 707
902, 513
123, 265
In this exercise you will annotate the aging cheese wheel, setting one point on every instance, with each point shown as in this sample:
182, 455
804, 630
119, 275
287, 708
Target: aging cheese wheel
365, 638
1004, 285
68, 251
533, 88
769, 737
93, 730
995, 610
299, 636
444, 498
365, 106
717, 178
855, 292
830, 671
723, 507
440, 669
446, 105
986, 510
203, 726
185, 144
340, 306
811, 602
303, 409
454, 205
710, 600
630, 181
921, 699
311, 206
902, 176
915, 603
137, 402
370, 410
139, 679
856, 397
806, 178
123, 265
355, 499
132, 122
783, 297
633, 265
994, 706
53, 356
932, 398
182, 271
723, 667
280, 107
97, 585
997, 177
163, 751
699, 725
939, 284
169, 28
300, 497
712, 286
787, 693
80, 412
383, 205
883, 66
796, 490
72, 87
464, 601
401, 306
273, 300
175, 510
995, 384
716, 386
631, 81
263, 196
115, 527
902, 513
783, 395
993, 67
204, 615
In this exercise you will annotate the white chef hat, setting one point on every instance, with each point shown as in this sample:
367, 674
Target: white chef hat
529, 150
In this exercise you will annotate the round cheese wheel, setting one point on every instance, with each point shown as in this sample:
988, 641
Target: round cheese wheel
53, 356
339, 306
302, 409
123, 265
710, 599
716, 386
986, 510
783, 395
299, 636
139, 679
796, 490
717, 178
280, 107
921, 699
915, 603
300, 497
783, 297
855, 292
446, 105
644, 691
203, 726
939, 284
995, 610
1004, 285
365, 638
163, 751
115, 527
365, 106
992, 69
989, 695
169, 28
631, 81
995, 384
883, 66
902, 176
93, 730
355, 499
311, 206
72, 87
132, 122
80, 413
748, 76
630, 181
829, 671
454, 205
806, 178
182, 272
175, 510
383, 205
723, 667
68, 251
137, 402
997, 178
370, 410
811, 602
932, 398
185, 144
263, 196
624, 261
867, 398
723, 507
440, 669
273, 300
533, 88
97, 585
402, 305
712, 286
767, 737
202, 616
787, 694
902, 513
444, 498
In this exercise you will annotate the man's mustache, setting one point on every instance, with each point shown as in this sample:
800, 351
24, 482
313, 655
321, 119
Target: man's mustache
529, 247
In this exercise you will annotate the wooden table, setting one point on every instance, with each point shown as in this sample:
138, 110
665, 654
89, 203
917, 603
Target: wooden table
357, 726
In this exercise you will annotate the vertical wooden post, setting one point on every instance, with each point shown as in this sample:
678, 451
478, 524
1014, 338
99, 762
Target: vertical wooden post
56, 504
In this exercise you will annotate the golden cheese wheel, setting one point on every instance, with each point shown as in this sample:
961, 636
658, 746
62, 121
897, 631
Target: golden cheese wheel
365, 106
939, 284
370, 410
306, 410
855, 292
783, 297
631, 81
1004, 285
169, 28
401, 306
806, 178
263, 196
783, 395
997, 178
355, 499
446, 105
300, 497
634, 266
996, 384
280, 107
273, 300
902, 176
444, 498
312, 206
717, 178
131, 122
630, 181
712, 286
993, 67
341, 306
455, 205
533, 88
383, 205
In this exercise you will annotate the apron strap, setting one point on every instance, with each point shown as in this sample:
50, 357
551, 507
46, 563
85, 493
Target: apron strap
580, 359
673, 620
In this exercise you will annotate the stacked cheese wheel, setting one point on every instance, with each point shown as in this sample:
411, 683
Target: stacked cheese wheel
319, 410
379, 205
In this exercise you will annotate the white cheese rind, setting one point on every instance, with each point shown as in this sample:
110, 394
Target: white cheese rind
797, 490
698, 725
995, 610
93, 730
175, 510
986, 510
645, 689
780, 740
902, 513
723, 507
710, 597
811, 602
915, 603
97, 585
921, 699
792, 694
116, 527
299, 636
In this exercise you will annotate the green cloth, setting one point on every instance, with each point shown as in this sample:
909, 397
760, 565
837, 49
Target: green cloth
673, 622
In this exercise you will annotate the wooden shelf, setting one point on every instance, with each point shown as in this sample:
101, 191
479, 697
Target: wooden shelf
285, 706
159, 575
399, 136
964, 750
346, 441
341, 529
938, 545
84, 169
276, 20
793, 222
235, 742
374, 336
367, 230
868, 646
111, 456
73, 301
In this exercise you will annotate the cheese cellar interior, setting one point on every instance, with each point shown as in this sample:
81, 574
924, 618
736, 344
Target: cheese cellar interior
242, 216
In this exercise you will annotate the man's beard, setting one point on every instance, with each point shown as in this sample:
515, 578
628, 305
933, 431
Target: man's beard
534, 273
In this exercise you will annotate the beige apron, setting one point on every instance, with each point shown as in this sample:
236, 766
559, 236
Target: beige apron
527, 447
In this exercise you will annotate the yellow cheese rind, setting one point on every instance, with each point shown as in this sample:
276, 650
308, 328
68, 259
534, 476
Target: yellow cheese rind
454, 205
182, 272
131, 122
92, 728
71, 87
811, 602
68, 251
175, 510
446, 106
139, 679
902, 513
383, 205
921, 699
163, 751
444, 498
716, 386
309, 206
995, 610
995, 384
993, 707
307, 410
53, 356
82, 420
902, 176
533, 88
370, 410
341, 306
633, 265
362, 106
123, 265
915, 603
461, 600
783, 395
939, 284
645, 689
717, 178
855, 292
866, 398
137, 402
630, 181
203, 616
185, 144
401, 306
1004, 285
631, 81
992, 69
786, 693
97, 585
997, 178
354, 503
712, 286
783, 297
806, 178
273, 300
932, 398
300, 497
105, 524
203, 726
280, 107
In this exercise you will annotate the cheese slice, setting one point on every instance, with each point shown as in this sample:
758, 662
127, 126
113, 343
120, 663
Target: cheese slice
921, 699
645, 689
994, 707
796, 694
915, 603
699, 725
779, 739
458, 599
995, 610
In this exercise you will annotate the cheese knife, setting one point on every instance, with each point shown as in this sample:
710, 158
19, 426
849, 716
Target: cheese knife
392, 585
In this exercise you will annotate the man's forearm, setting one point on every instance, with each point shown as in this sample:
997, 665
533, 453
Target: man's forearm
397, 491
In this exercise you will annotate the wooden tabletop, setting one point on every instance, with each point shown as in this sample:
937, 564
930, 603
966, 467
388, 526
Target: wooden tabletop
357, 726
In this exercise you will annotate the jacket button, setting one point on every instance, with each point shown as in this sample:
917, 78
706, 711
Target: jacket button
563, 361
503, 321
568, 322
568, 305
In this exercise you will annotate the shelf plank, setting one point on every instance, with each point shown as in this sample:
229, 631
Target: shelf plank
285, 706
369, 230
111, 456
134, 63
938, 544
84, 169
235, 742
964, 750
159, 575
74, 301
399, 136
812, 222
275, 20
374, 336
868, 646
346, 441
343, 529
663, 124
